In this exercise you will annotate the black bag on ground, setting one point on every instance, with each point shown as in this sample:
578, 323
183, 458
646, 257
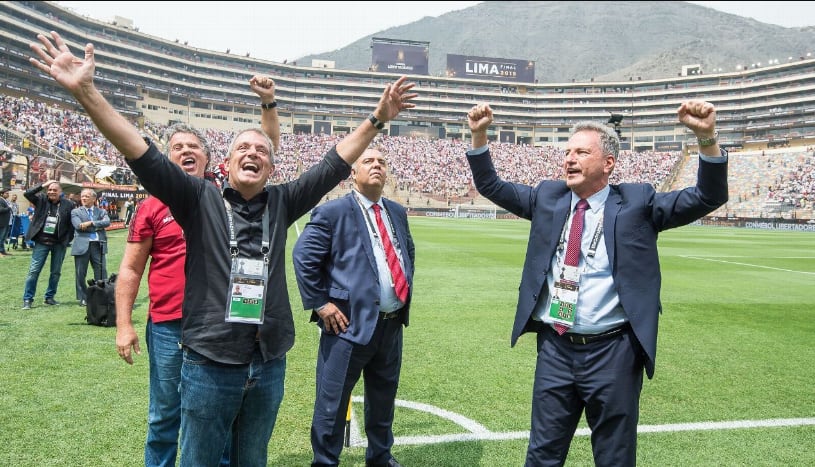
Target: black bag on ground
101, 302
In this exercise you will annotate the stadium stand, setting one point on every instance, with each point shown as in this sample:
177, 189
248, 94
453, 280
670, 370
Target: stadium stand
766, 114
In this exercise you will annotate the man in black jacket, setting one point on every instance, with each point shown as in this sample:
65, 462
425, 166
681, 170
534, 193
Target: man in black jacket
51, 231
232, 375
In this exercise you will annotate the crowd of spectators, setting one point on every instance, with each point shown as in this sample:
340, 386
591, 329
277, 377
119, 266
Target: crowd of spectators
437, 169
769, 183
57, 130
420, 168
795, 184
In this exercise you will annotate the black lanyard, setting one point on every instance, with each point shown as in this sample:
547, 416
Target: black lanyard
233, 239
595, 240
374, 229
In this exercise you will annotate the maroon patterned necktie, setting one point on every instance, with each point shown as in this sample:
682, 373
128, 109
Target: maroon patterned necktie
400, 284
573, 247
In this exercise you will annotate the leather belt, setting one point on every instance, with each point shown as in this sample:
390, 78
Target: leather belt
389, 314
582, 339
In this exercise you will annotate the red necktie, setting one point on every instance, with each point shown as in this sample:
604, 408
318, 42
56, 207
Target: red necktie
399, 282
573, 247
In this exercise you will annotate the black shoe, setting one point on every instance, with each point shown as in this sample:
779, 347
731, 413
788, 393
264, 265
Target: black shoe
51, 301
391, 463
82, 303
27, 304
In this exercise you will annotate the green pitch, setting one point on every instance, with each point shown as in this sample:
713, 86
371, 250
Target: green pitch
733, 383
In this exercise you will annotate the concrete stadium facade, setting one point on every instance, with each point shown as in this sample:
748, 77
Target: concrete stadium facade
163, 81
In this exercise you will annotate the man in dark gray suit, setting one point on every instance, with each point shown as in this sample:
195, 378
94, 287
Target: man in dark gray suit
90, 242
354, 267
5, 220
592, 297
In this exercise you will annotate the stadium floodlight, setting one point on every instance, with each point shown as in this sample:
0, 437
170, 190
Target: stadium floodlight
615, 119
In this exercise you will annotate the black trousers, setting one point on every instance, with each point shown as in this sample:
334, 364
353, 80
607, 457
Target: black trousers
604, 378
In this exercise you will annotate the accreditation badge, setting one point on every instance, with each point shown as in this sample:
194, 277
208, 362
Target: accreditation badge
564, 302
50, 226
247, 290
570, 274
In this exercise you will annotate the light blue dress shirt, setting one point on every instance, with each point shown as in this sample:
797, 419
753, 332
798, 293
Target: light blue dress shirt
388, 301
598, 305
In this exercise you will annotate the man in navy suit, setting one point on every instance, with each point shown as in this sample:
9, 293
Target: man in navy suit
90, 242
595, 316
360, 304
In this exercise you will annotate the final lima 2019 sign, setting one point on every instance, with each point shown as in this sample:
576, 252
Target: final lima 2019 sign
497, 69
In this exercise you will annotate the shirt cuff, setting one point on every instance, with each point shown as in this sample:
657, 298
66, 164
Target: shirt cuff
715, 159
478, 151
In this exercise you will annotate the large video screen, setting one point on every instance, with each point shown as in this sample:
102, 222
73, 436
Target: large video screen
402, 58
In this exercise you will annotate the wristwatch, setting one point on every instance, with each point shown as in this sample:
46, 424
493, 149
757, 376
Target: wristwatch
375, 122
704, 142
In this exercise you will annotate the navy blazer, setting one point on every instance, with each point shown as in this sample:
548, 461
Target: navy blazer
334, 262
634, 215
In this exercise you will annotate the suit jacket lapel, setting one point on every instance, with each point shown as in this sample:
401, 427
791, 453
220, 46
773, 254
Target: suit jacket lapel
560, 216
610, 212
362, 229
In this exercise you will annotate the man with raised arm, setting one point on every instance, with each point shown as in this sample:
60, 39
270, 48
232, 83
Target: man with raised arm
234, 347
591, 280
155, 236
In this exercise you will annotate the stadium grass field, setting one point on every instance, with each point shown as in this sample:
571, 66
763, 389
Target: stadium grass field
733, 383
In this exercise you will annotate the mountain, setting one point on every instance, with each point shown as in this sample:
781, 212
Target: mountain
606, 41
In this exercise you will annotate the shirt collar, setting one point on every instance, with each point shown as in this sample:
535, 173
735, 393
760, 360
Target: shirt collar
233, 195
596, 201
365, 201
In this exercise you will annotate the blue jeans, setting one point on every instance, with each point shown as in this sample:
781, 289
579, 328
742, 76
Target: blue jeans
216, 398
38, 255
164, 408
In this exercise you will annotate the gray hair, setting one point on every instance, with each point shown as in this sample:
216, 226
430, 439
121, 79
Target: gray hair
184, 128
90, 192
609, 141
258, 131
373, 147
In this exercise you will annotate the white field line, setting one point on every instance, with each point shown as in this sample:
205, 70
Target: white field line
477, 432
748, 265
